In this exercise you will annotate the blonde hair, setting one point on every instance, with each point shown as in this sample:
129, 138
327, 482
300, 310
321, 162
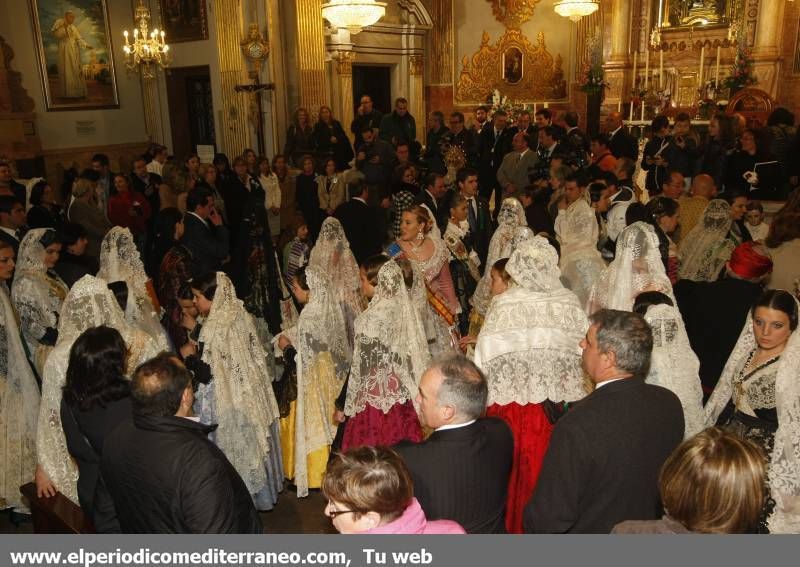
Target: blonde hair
714, 482
422, 215
82, 187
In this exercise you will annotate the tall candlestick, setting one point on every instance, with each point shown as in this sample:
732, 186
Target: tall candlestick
646, 67
716, 74
619, 104
702, 60
661, 70
534, 108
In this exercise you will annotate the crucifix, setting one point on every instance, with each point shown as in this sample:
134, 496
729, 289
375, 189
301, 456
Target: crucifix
256, 49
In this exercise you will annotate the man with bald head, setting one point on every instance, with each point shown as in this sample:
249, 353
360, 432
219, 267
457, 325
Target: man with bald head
692, 207
620, 142
514, 173
163, 473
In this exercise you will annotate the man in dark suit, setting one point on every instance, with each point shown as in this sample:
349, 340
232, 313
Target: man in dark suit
204, 233
480, 224
465, 452
461, 137
363, 225
432, 196
494, 143
602, 465
163, 473
12, 221
620, 143
514, 174
544, 118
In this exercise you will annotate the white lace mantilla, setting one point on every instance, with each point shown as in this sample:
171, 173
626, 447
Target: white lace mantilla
88, 304
706, 248
784, 463
390, 353
244, 402
19, 409
577, 232
120, 262
529, 343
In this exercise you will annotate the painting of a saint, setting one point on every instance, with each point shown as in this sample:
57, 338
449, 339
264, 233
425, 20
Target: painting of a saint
75, 57
184, 20
512, 66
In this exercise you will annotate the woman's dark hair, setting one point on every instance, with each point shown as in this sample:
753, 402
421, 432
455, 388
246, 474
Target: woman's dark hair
647, 299
780, 300
661, 207
727, 131
780, 116
71, 232
300, 276
206, 284
185, 292
50, 236
784, 227
596, 190
500, 267
120, 290
221, 159
372, 265
96, 370
659, 123
636, 212
37, 192
164, 225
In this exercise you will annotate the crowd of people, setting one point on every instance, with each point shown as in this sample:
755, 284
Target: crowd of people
499, 331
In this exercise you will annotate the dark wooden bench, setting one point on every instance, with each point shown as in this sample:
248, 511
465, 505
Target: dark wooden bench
56, 515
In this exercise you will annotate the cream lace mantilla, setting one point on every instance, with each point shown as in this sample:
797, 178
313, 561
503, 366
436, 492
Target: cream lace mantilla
577, 232
706, 249
323, 361
390, 352
784, 463
529, 344
244, 401
120, 262
88, 304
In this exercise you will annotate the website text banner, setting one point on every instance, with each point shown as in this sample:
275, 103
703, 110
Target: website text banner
395, 551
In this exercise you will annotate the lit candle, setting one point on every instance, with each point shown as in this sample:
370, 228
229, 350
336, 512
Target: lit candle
125, 33
534, 108
702, 61
619, 104
661, 69
547, 105
716, 74
633, 82
646, 68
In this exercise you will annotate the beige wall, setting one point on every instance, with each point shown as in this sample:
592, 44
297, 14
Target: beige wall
58, 130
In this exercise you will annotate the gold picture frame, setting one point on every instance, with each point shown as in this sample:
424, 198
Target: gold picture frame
75, 54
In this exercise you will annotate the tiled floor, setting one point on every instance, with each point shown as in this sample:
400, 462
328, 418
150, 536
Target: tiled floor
292, 515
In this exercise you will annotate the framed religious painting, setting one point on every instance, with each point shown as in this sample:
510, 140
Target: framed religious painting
512, 65
76, 63
184, 20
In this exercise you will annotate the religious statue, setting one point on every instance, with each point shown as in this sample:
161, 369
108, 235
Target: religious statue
697, 12
71, 83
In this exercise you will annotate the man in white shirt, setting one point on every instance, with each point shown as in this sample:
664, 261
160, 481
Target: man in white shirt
465, 453
159, 159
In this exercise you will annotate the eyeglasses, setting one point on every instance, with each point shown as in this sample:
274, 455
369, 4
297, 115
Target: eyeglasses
334, 513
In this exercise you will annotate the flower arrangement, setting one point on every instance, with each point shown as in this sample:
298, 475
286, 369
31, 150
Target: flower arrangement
500, 102
742, 75
592, 79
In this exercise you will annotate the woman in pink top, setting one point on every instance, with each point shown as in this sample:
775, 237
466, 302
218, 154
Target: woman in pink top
369, 491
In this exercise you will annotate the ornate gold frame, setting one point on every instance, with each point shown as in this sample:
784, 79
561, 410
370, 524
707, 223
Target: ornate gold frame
513, 13
482, 73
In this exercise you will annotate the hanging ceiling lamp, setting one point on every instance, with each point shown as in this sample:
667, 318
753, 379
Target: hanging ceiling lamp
575, 9
353, 14
148, 47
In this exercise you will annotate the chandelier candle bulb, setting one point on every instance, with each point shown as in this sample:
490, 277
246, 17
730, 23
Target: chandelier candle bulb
660, 69
716, 73
702, 61
646, 68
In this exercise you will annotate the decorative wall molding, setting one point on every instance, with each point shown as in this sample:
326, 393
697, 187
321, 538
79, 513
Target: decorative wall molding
542, 75
513, 13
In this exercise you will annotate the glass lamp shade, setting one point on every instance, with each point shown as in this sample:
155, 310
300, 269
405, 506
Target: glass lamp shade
575, 9
353, 14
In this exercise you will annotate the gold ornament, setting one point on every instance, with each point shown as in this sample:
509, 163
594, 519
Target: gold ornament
513, 13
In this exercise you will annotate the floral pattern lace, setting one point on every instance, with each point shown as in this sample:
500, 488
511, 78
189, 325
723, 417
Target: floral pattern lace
706, 248
577, 232
120, 261
19, 409
529, 343
390, 353
784, 461
88, 304
244, 403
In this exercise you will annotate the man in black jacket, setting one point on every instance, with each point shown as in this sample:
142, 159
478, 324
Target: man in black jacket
363, 224
461, 471
204, 234
480, 223
163, 473
494, 142
602, 465
432, 195
620, 143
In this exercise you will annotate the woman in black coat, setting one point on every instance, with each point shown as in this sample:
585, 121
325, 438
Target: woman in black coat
331, 140
96, 400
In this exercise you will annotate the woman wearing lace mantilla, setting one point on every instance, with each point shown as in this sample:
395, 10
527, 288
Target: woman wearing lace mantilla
38, 292
430, 257
236, 388
760, 382
19, 400
577, 232
332, 255
528, 348
322, 359
389, 358
88, 304
510, 217
706, 248
120, 262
